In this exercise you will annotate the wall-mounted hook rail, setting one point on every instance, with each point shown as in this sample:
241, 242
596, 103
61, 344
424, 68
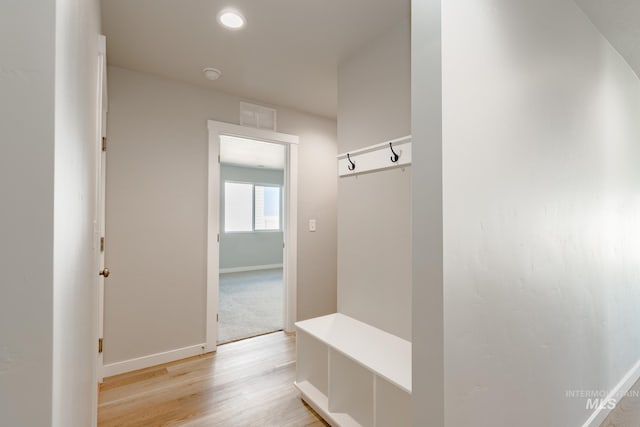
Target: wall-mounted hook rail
376, 157
352, 165
395, 156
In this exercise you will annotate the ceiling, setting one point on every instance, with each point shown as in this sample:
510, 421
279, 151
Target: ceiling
287, 54
250, 153
619, 22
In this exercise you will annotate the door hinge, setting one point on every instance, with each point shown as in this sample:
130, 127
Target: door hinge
218, 158
100, 345
217, 317
218, 237
102, 244
104, 143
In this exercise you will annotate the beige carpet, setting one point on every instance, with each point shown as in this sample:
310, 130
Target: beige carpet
251, 303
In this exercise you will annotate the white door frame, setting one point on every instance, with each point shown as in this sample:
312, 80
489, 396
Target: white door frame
290, 273
99, 221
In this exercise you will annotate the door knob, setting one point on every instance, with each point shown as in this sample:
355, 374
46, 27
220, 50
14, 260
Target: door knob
105, 273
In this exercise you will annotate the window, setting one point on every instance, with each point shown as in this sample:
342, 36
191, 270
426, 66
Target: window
251, 207
238, 206
267, 213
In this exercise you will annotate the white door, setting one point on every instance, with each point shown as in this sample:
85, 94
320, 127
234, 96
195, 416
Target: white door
101, 158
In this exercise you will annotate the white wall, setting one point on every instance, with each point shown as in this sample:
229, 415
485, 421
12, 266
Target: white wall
428, 384
26, 213
47, 133
156, 211
249, 249
374, 210
541, 212
74, 270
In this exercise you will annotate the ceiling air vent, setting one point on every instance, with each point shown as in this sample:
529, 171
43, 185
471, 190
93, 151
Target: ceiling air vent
257, 116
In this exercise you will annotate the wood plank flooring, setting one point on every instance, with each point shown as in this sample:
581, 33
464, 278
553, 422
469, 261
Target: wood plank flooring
627, 412
246, 383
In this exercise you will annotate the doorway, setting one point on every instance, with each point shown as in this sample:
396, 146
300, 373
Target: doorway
251, 288
252, 232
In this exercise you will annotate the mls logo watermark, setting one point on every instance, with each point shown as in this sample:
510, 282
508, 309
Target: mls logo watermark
600, 399
597, 403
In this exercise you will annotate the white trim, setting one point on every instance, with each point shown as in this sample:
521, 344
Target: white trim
252, 133
290, 275
290, 195
153, 360
213, 242
250, 268
622, 388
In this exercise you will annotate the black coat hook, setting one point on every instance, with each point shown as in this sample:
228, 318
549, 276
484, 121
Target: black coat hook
395, 156
352, 166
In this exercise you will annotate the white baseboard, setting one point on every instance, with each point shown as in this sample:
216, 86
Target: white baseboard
152, 360
250, 268
622, 388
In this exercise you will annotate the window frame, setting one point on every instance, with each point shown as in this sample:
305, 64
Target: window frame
280, 188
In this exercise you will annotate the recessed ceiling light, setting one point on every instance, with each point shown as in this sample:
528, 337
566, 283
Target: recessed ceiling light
212, 73
231, 18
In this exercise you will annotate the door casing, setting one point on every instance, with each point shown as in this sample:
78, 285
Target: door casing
290, 193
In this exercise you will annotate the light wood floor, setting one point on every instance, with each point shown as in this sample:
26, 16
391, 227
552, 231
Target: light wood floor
627, 412
246, 383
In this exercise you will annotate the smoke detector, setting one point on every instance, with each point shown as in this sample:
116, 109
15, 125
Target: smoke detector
212, 73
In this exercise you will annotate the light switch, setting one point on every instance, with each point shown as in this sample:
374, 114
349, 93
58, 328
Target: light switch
312, 225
